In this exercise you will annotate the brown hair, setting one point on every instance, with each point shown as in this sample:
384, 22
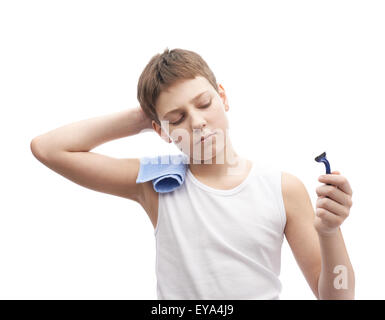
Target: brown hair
166, 69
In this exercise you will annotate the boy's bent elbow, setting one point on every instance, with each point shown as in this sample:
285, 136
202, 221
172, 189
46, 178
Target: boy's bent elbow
38, 149
35, 148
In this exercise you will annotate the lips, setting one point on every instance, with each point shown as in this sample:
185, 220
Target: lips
206, 137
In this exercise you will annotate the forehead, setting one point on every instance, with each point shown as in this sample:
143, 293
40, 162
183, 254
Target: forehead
181, 93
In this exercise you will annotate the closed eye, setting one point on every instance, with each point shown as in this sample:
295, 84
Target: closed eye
181, 119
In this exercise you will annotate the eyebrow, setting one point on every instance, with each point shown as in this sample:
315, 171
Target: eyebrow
192, 100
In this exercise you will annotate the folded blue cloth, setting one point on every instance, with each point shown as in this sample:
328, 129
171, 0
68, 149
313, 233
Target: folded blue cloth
167, 172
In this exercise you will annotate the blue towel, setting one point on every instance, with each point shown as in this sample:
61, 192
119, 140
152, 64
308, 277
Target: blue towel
167, 172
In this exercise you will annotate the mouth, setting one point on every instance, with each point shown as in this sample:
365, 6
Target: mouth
202, 139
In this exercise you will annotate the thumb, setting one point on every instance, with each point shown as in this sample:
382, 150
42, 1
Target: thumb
335, 172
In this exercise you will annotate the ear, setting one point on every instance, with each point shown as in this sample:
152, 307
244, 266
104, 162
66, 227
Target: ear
157, 128
223, 96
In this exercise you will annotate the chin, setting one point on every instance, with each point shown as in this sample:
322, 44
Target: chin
209, 157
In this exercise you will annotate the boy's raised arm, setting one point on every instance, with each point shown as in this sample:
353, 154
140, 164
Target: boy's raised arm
66, 150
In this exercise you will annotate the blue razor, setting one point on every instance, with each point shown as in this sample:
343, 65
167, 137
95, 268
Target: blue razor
322, 158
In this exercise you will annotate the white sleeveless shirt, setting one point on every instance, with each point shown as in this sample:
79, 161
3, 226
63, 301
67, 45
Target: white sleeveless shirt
221, 244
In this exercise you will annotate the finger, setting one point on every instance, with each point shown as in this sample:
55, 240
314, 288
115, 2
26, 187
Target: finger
331, 220
333, 207
335, 194
337, 180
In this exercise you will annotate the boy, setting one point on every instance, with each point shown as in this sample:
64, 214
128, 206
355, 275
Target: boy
219, 234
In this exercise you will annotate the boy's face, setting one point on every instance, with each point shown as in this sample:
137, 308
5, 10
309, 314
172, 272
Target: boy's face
186, 120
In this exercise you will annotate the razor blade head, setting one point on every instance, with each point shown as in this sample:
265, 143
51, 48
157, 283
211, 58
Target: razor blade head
319, 158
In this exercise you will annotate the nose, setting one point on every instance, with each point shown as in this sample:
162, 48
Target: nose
197, 122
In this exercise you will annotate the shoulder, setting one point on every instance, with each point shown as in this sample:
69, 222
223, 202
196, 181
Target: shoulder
294, 193
291, 185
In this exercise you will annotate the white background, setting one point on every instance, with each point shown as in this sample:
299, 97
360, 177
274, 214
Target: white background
302, 77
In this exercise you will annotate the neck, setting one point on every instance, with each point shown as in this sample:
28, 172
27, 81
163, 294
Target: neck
230, 163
